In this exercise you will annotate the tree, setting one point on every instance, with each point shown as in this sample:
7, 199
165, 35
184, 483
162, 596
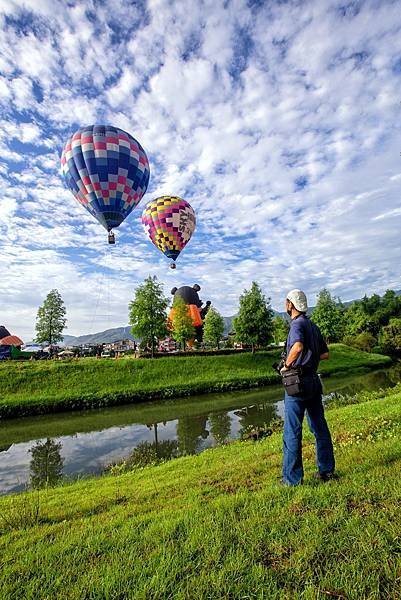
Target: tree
392, 303
46, 464
148, 313
371, 314
356, 320
213, 326
281, 328
254, 324
328, 316
182, 328
391, 337
372, 304
50, 320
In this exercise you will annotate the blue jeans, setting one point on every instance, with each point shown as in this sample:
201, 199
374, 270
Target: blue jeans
295, 407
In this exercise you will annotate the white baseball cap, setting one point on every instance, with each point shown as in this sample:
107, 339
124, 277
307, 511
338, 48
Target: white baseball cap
298, 298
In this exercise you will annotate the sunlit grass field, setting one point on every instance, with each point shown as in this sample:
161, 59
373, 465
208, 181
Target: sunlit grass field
50, 386
219, 525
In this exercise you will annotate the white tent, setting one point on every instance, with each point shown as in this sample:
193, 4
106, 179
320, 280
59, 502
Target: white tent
32, 348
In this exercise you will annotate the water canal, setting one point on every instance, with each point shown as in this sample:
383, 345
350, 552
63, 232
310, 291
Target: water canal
78, 444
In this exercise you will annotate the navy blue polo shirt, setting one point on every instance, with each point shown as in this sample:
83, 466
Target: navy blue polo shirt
304, 330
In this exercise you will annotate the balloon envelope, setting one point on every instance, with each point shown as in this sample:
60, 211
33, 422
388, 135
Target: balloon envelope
107, 170
11, 340
169, 222
3, 331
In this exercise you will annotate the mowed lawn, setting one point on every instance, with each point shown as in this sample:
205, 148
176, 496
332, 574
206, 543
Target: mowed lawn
219, 525
46, 386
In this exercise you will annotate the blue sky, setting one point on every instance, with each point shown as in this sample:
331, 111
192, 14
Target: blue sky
278, 121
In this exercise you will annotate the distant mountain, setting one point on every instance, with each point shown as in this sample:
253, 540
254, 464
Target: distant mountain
228, 324
103, 337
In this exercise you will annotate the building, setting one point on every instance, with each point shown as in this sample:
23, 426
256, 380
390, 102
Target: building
120, 346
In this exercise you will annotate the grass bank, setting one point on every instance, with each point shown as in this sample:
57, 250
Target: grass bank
52, 386
218, 525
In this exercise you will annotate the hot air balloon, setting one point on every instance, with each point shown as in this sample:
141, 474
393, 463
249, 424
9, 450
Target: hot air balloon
11, 340
169, 222
107, 170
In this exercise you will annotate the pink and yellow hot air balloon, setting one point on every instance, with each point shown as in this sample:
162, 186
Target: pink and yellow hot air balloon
169, 222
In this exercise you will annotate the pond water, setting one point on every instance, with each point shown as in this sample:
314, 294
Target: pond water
76, 444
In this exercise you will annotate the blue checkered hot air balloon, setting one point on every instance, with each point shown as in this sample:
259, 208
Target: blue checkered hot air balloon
107, 170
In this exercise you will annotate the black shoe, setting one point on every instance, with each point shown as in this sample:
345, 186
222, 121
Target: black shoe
326, 476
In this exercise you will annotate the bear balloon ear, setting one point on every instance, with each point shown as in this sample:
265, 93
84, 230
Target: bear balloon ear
173, 291
196, 287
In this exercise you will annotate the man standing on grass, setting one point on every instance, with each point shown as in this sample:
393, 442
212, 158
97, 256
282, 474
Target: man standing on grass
305, 349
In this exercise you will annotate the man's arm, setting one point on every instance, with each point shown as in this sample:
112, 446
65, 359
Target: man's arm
324, 356
293, 354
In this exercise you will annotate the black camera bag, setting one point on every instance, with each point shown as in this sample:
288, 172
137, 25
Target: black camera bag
292, 381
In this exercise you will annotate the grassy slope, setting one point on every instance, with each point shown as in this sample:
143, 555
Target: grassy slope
29, 388
218, 525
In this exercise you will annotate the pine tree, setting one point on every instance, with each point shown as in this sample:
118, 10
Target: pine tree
253, 325
147, 313
182, 328
50, 320
329, 316
213, 326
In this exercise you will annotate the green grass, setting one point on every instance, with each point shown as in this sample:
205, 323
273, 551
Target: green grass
218, 525
50, 386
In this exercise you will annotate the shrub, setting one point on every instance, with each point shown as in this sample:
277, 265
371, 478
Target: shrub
391, 337
363, 341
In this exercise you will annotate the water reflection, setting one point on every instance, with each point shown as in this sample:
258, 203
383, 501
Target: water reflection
77, 444
46, 464
256, 415
220, 427
147, 453
164, 449
191, 432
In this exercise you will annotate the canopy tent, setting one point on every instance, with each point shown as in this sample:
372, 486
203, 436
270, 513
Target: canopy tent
11, 340
33, 348
3, 332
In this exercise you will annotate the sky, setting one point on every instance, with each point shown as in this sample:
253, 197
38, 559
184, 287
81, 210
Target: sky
278, 121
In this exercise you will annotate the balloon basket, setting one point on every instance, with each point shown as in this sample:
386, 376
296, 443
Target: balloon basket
111, 238
173, 265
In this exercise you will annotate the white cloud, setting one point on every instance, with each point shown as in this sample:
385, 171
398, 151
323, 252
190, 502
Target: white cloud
238, 108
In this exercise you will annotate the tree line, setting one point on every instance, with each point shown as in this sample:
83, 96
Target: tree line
148, 318
370, 324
